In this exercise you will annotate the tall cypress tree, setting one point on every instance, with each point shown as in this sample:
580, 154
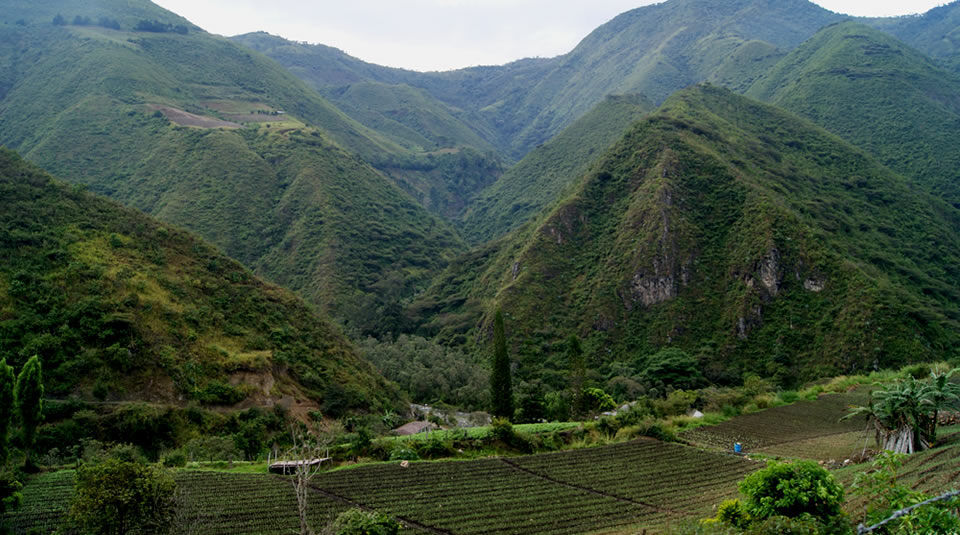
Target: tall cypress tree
29, 396
7, 384
578, 374
501, 391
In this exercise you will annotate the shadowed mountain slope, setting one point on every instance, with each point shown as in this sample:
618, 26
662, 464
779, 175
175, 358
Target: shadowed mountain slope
543, 175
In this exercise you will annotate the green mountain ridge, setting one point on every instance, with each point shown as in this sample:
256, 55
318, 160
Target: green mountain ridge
879, 94
544, 174
121, 307
219, 139
653, 50
740, 233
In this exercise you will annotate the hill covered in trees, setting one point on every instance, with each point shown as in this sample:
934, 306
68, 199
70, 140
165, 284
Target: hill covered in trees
748, 237
879, 94
120, 307
202, 133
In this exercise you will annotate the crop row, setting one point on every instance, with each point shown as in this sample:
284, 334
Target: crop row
584, 490
789, 423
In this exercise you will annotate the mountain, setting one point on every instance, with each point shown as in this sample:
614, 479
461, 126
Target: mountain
450, 155
879, 94
740, 233
205, 134
653, 50
544, 174
121, 307
936, 33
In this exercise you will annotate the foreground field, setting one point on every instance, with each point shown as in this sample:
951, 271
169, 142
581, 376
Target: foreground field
642, 483
623, 488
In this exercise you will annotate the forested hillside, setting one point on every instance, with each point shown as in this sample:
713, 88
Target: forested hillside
740, 233
879, 94
121, 307
218, 139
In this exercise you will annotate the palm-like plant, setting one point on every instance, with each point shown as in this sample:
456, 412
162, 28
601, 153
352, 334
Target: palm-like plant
904, 416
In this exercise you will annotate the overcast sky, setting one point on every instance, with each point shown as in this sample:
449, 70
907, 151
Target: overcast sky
446, 34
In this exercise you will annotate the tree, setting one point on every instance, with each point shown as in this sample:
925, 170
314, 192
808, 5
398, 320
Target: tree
673, 368
29, 402
118, 497
7, 385
798, 497
501, 391
59, 20
904, 415
578, 375
306, 448
792, 490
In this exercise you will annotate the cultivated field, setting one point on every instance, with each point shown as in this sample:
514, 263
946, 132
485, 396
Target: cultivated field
807, 429
642, 483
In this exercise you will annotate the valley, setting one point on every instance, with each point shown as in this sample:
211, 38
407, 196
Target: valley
711, 222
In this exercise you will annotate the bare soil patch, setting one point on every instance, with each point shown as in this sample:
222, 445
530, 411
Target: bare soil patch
184, 118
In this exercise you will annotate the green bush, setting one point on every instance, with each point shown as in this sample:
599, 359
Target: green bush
175, 459
359, 522
404, 454
792, 490
733, 513
122, 497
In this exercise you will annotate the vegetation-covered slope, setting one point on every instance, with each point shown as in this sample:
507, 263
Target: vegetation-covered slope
121, 307
205, 134
653, 50
450, 154
543, 175
748, 237
935, 33
879, 94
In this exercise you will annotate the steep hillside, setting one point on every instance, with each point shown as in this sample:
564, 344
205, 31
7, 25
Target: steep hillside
935, 33
543, 175
653, 50
121, 307
376, 96
738, 232
658, 49
450, 155
879, 94
221, 140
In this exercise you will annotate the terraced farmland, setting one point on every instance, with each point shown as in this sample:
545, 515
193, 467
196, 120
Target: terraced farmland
643, 484
807, 429
214, 503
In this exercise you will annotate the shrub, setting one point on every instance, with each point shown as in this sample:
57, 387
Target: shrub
733, 513
175, 459
122, 497
404, 454
673, 368
792, 490
359, 522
